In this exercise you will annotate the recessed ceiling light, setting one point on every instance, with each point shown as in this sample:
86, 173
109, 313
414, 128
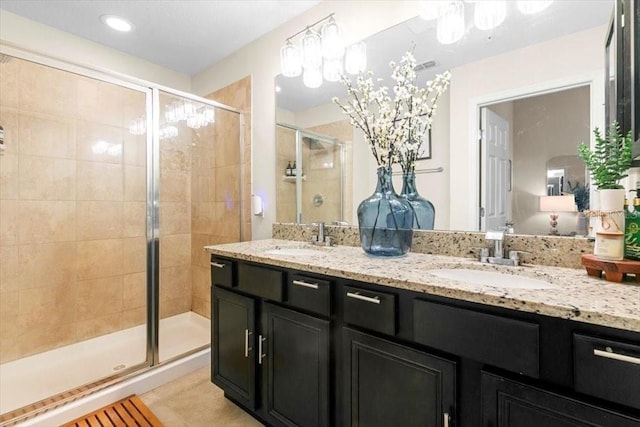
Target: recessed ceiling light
117, 23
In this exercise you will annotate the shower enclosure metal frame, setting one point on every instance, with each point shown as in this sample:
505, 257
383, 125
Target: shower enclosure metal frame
152, 96
300, 132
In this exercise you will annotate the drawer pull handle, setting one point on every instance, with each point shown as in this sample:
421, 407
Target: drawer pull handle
305, 284
356, 295
616, 356
261, 339
217, 265
445, 422
246, 342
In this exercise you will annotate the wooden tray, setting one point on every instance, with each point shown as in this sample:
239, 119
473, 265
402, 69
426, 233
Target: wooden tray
614, 271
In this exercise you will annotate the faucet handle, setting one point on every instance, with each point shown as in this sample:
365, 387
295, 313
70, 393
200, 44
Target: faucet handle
515, 256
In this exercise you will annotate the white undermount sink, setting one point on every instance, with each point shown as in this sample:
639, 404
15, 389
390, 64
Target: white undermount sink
491, 278
293, 251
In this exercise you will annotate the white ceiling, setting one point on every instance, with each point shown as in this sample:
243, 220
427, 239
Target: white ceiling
183, 35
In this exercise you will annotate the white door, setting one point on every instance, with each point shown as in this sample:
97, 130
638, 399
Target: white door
495, 171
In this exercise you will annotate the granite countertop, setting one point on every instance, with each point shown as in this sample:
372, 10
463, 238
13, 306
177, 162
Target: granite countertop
575, 295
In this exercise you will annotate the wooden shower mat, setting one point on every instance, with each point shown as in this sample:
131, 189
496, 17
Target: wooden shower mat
128, 412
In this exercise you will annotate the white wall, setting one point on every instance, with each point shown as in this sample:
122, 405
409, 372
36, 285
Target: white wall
558, 62
41, 39
261, 60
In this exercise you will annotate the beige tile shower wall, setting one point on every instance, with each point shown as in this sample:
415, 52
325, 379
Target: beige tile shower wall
285, 187
215, 192
72, 209
175, 218
343, 131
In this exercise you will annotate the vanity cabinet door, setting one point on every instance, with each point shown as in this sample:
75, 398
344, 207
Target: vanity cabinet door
232, 338
386, 384
295, 368
507, 403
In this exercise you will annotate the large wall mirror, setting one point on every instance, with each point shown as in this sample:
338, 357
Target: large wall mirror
538, 79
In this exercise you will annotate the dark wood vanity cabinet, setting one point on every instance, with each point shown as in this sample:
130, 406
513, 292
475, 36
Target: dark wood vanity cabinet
387, 384
508, 403
272, 359
295, 368
233, 330
300, 349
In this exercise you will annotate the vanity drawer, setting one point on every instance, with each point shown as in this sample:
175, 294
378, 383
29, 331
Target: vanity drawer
260, 281
608, 369
498, 341
309, 293
370, 309
221, 271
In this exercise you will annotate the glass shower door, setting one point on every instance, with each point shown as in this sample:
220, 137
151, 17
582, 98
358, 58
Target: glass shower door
72, 230
199, 205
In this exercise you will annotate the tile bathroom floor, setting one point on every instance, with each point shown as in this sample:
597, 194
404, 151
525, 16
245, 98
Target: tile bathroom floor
193, 401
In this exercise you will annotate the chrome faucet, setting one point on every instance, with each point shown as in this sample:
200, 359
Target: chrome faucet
321, 238
498, 257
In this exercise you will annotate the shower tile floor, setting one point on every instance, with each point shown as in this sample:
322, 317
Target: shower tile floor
193, 401
37, 377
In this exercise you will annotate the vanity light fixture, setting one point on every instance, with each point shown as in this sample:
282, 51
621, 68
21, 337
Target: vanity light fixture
488, 14
117, 23
450, 27
321, 55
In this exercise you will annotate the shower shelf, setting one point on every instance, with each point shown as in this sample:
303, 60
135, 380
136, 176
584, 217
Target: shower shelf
292, 178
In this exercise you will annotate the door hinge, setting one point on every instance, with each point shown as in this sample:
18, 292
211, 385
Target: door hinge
481, 212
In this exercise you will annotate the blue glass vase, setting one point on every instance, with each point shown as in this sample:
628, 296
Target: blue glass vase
385, 220
424, 214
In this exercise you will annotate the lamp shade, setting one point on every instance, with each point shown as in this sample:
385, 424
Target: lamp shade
530, 7
558, 203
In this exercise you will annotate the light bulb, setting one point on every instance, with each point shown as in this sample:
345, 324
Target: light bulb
355, 58
332, 69
529, 7
450, 27
488, 14
332, 46
311, 50
312, 77
431, 9
290, 61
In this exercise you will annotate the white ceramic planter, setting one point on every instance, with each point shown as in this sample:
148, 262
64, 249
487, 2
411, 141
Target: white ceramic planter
609, 225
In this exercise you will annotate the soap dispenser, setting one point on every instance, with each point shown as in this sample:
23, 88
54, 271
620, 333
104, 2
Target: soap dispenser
632, 229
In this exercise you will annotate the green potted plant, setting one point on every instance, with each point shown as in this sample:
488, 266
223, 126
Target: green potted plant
608, 163
611, 159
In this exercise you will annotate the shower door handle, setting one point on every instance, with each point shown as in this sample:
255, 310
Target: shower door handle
261, 356
247, 349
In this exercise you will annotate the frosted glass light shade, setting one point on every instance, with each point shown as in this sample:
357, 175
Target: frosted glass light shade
487, 14
332, 69
431, 9
355, 58
332, 45
312, 77
311, 50
529, 7
290, 60
450, 27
